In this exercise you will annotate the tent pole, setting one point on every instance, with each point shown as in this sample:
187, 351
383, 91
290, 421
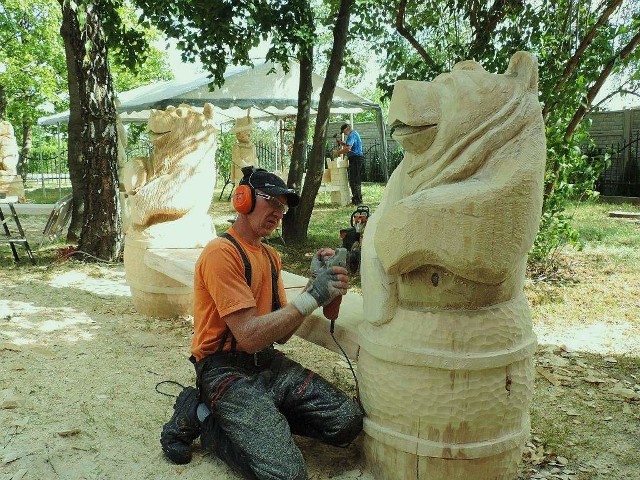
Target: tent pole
383, 141
281, 137
58, 164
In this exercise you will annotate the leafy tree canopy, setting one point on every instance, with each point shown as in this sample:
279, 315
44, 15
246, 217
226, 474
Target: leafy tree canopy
579, 46
33, 57
35, 78
223, 33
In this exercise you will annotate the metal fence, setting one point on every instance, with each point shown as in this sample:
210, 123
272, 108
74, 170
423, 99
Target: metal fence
53, 167
268, 155
46, 169
622, 177
375, 168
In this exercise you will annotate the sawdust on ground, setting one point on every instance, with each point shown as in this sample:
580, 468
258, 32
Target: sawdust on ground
80, 393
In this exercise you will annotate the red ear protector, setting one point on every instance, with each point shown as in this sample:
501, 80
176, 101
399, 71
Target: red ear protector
244, 196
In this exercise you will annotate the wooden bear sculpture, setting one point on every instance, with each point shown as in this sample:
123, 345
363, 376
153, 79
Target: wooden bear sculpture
169, 196
10, 182
446, 358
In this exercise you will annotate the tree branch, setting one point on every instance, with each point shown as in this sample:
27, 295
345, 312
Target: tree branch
575, 60
595, 88
400, 27
485, 23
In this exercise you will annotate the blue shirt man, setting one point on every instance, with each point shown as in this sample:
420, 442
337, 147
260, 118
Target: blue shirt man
353, 140
352, 147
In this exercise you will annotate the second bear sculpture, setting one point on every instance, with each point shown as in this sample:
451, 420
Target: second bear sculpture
179, 175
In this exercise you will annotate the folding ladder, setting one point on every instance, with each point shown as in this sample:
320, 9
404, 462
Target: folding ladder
14, 240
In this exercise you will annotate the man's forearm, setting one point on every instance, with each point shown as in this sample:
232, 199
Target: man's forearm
257, 332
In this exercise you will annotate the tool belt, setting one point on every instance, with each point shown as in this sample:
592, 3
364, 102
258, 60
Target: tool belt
248, 361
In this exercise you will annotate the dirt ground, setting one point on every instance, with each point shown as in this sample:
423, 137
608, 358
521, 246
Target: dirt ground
80, 392
79, 382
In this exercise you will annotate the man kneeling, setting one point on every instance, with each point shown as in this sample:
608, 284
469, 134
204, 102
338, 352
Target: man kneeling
254, 398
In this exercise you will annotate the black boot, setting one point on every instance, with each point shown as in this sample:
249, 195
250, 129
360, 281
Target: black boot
179, 433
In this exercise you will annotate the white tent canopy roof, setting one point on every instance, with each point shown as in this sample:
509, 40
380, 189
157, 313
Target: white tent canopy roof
266, 89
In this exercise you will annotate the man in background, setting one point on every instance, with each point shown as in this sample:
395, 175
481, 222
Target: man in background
352, 147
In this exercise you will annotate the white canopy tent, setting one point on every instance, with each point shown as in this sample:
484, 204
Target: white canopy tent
266, 89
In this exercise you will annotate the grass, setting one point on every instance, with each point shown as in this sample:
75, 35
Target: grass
598, 230
324, 231
47, 192
587, 316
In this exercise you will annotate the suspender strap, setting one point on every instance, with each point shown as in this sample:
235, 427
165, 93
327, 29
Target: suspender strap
275, 298
247, 278
245, 259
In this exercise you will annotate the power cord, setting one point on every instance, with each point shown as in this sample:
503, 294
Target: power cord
355, 377
169, 382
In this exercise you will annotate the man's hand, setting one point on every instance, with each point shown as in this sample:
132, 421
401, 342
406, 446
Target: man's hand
329, 284
318, 262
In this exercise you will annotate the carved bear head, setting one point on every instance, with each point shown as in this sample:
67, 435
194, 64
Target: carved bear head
449, 124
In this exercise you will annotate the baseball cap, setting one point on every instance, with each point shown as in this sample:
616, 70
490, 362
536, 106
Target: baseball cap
269, 183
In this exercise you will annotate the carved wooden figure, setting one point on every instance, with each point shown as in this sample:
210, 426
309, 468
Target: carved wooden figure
243, 153
446, 345
10, 182
169, 195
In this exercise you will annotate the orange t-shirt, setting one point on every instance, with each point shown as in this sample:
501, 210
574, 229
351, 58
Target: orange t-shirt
220, 288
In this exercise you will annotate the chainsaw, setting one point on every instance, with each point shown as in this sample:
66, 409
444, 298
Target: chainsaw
352, 237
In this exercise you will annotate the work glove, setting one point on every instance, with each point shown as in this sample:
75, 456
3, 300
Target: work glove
320, 291
319, 263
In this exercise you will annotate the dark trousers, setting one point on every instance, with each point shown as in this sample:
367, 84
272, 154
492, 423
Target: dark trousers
256, 409
355, 178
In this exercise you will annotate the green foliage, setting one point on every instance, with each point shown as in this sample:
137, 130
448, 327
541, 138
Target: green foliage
223, 33
149, 66
572, 54
448, 32
128, 39
36, 78
33, 57
223, 155
570, 176
556, 230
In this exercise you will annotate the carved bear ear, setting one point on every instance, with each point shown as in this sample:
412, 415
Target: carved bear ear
208, 111
182, 110
524, 66
468, 65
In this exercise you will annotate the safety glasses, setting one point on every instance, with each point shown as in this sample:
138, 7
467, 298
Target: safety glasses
274, 202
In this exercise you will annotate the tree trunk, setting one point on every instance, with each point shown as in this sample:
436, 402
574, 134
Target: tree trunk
70, 32
25, 148
101, 235
299, 154
297, 233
